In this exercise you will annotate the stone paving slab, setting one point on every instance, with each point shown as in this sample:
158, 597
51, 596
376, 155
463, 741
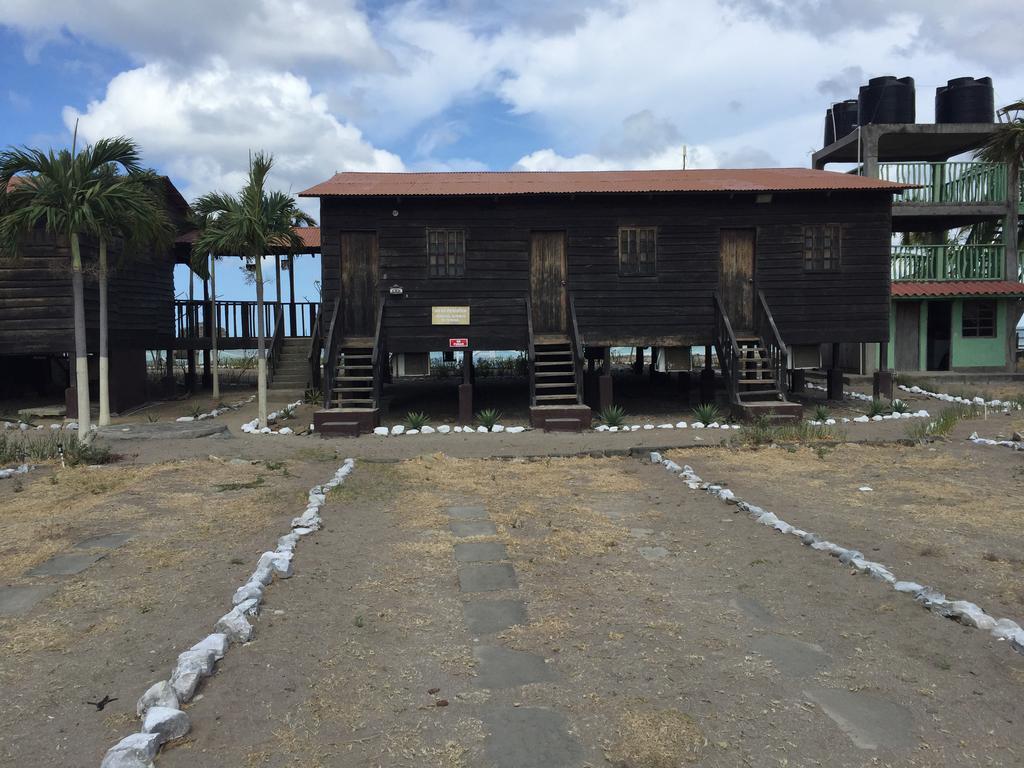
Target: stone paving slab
67, 564
467, 513
790, 656
486, 577
869, 720
104, 541
17, 601
473, 528
480, 551
486, 616
500, 667
530, 737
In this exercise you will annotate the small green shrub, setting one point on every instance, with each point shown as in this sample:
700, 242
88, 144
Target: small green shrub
612, 416
21, 447
287, 412
820, 412
756, 432
707, 413
898, 406
196, 410
416, 420
488, 417
313, 396
942, 425
877, 408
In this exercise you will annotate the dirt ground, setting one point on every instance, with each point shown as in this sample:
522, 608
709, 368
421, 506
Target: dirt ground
673, 631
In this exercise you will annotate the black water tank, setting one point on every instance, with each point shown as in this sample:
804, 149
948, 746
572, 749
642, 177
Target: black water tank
965, 100
887, 100
840, 120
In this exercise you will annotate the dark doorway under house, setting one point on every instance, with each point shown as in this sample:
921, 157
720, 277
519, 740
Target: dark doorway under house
940, 332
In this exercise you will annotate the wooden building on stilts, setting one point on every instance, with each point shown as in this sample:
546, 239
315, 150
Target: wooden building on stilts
761, 268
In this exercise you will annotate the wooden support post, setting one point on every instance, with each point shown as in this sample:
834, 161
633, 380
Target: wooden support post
190, 378
291, 298
884, 380
169, 368
466, 390
604, 382
707, 378
835, 376
683, 382
638, 363
207, 333
797, 380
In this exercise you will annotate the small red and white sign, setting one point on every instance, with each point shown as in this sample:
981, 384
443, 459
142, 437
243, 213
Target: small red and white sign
458, 343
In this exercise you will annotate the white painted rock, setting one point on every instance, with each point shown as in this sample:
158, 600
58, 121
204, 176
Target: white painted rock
157, 695
713, 425
444, 429
613, 429
515, 430
397, 429
185, 418
698, 425
217, 644
168, 723
235, 626
135, 751
382, 431
481, 428
248, 591
281, 562
428, 430
648, 426
286, 431
877, 418
192, 666
680, 425
601, 428
862, 419
498, 428
266, 431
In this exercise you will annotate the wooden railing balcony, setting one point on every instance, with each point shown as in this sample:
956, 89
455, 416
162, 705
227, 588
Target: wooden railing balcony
237, 319
951, 183
948, 262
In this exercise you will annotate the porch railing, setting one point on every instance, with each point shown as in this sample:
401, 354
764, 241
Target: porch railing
948, 262
775, 347
331, 341
531, 353
728, 350
237, 319
577, 348
948, 183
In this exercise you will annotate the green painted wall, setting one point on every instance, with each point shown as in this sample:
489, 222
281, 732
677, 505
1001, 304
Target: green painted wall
970, 353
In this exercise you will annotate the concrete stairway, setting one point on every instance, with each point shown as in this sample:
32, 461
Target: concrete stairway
292, 374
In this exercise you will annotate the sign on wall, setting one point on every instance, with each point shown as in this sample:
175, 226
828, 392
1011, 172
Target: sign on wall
449, 315
458, 343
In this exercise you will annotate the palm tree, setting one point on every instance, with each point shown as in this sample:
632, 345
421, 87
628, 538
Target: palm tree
131, 208
1006, 145
250, 225
205, 265
59, 191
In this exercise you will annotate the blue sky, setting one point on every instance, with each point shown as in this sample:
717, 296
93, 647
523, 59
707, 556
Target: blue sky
472, 84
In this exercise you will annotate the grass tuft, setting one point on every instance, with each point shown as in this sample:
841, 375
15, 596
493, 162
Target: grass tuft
22, 447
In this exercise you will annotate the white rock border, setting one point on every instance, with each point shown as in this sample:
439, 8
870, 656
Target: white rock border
965, 612
217, 411
1007, 406
1015, 445
253, 427
21, 469
851, 394
160, 706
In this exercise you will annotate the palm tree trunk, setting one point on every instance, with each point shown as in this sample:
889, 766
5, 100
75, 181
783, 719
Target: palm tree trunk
213, 328
104, 342
81, 355
261, 347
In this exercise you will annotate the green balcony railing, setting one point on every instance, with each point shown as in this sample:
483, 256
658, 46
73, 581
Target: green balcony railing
948, 183
948, 262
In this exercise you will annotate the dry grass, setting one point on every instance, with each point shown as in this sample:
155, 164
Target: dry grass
655, 739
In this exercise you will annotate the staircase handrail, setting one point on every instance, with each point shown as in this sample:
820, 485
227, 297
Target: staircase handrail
728, 358
531, 353
577, 349
764, 326
376, 358
331, 347
316, 347
276, 341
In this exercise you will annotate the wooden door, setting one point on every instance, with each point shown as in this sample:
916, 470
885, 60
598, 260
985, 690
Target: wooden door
907, 355
547, 282
359, 283
736, 277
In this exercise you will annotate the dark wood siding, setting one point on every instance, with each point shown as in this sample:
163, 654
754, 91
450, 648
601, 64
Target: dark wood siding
670, 307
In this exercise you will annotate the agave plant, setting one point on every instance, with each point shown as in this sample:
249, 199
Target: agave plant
488, 418
612, 416
416, 420
707, 413
877, 408
898, 406
820, 412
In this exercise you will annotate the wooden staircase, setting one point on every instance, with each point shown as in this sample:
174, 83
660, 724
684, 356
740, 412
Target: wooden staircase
291, 373
555, 379
753, 363
354, 376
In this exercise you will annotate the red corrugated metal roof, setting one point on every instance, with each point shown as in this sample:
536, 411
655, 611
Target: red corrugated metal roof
957, 288
571, 182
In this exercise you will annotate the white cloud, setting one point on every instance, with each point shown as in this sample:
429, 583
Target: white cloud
200, 126
254, 31
666, 158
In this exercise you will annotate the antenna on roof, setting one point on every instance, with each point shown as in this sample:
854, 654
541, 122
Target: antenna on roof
684, 157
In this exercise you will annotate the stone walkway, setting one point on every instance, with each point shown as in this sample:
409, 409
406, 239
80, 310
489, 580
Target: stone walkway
517, 736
